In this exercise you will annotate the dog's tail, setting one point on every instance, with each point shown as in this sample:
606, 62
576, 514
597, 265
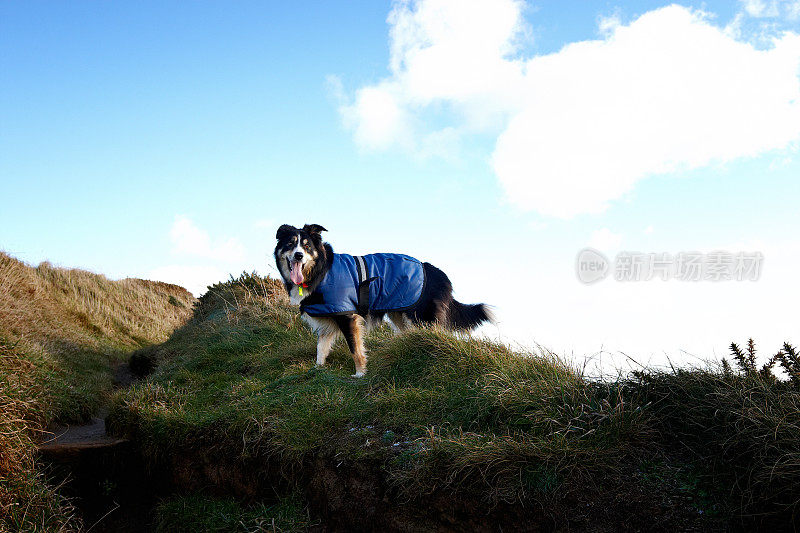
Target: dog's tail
468, 316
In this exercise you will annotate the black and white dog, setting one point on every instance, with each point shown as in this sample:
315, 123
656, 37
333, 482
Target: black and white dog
339, 293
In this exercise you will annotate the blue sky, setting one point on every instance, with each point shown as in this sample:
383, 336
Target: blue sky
169, 140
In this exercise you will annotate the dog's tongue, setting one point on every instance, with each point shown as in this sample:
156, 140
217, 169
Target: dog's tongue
297, 273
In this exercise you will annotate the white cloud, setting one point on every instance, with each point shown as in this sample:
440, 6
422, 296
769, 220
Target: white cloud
793, 10
577, 129
436, 55
666, 93
194, 278
604, 239
203, 260
771, 8
188, 239
436, 52
377, 119
761, 8
607, 24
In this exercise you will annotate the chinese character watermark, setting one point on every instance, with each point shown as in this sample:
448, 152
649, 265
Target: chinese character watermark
592, 266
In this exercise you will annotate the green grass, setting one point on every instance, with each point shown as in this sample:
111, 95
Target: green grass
447, 414
437, 416
195, 512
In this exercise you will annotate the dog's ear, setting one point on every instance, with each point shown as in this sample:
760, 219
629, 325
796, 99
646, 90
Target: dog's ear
313, 229
283, 230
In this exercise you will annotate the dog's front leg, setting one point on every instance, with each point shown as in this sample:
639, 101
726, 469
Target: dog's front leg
353, 329
325, 340
326, 330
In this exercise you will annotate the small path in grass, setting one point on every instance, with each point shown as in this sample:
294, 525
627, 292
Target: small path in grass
101, 473
69, 439
74, 438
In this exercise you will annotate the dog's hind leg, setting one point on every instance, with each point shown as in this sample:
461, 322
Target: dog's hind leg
359, 351
398, 322
353, 329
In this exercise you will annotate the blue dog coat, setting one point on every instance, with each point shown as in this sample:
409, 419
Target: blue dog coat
374, 282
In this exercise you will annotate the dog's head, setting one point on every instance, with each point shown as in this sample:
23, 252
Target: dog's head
300, 253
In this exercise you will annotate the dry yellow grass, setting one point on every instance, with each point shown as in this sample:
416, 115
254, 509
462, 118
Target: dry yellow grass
61, 332
27, 503
52, 306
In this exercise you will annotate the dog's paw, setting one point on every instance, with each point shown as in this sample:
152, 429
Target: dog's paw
358, 375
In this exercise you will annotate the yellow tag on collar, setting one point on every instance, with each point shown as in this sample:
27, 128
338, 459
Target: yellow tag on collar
300, 290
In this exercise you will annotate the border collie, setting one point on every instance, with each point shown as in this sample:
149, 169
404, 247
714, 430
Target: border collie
340, 293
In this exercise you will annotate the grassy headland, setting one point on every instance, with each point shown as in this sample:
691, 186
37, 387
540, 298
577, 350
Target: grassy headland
450, 431
444, 432
62, 331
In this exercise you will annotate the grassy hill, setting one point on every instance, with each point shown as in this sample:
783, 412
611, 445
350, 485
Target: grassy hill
62, 332
239, 431
447, 432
